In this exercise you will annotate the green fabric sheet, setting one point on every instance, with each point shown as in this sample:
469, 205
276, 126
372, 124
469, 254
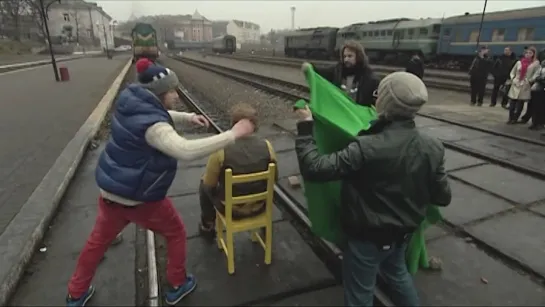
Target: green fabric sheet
337, 121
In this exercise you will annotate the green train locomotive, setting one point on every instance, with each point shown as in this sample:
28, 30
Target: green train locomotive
144, 42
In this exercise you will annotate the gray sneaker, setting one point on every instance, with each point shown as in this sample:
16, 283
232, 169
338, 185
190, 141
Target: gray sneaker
118, 239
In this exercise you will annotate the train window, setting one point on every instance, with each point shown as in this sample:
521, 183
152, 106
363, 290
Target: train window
436, 29
498, 35
389, 33
474, 35
525, 34
423, 31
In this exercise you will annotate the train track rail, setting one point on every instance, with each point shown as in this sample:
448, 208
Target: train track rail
441, 82
296, 63
294, 91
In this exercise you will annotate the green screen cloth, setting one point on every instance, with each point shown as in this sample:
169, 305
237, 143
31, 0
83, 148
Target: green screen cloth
416, 254
337, 121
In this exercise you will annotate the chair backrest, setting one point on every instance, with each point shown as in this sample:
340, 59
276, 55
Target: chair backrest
267, 195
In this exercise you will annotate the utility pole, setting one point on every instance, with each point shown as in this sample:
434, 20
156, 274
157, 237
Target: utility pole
43, 14
481, 25
293, 17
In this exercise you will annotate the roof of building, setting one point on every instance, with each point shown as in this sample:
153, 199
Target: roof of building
81, 4
246, 24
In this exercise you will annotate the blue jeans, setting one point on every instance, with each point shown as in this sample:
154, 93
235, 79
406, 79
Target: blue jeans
361, 264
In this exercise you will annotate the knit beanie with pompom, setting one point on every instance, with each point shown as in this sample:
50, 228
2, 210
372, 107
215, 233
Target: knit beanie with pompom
400, 96
157, 79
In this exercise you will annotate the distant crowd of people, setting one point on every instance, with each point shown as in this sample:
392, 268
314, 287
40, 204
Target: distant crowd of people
522, 82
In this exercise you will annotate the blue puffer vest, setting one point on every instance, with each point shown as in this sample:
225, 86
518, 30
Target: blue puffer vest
128, 166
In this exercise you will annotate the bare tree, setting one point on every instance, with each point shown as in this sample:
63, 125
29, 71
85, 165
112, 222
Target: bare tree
34, 11
75, 16
11, 13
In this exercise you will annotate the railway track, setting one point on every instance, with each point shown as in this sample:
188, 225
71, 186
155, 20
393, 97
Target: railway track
293, 204
430, 73
294, 91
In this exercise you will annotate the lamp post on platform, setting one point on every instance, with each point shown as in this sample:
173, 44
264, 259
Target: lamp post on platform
111, 27
481, 25
43, 12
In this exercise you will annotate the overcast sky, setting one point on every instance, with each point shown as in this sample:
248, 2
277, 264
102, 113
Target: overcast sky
277, 14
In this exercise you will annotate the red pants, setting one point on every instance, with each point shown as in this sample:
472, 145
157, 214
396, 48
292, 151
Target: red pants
160, 217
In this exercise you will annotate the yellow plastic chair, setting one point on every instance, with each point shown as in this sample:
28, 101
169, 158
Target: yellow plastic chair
252, 224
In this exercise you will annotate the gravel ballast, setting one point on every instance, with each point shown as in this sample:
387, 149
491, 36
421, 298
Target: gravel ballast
436, 96
225, 93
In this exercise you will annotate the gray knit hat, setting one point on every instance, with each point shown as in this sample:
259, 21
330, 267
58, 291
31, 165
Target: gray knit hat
400, 95
156, 78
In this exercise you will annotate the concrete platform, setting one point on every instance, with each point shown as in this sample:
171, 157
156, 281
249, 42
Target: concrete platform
472, 278
46, 279
519, 235
39, 117
508, 184
482, 203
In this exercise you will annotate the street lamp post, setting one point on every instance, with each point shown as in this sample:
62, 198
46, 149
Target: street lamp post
481, 25
43, 13
111, 26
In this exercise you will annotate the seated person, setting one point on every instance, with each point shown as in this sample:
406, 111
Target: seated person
247, 155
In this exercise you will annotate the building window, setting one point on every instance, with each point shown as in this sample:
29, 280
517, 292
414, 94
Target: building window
410, 33
446, 32
525, 34
474, 35
423, 31
66, 16
498, 35
389, 33
383, 33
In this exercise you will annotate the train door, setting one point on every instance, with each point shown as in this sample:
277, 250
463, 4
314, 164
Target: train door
229, 45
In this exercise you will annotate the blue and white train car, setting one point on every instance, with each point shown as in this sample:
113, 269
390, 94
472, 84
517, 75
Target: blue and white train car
515, 29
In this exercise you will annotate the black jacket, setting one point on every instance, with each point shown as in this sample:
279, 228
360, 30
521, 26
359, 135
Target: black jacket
389, 177
502, 66
480, 68
367, 82
416, 67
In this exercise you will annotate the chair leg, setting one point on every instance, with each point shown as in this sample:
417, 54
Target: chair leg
253, 236
219, 232
268, 243
230, 251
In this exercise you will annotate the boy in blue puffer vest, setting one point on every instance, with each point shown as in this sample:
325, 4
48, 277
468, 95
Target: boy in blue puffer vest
135, 171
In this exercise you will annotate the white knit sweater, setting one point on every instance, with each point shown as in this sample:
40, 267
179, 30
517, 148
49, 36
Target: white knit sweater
164, 138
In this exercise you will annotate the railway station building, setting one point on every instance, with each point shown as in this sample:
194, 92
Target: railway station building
246, 32
81, 22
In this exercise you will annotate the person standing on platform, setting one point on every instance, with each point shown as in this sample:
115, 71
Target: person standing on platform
135, 171
500, 71
416, 66
538, 100
390, 175
522, 77
478, 72
352, 74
